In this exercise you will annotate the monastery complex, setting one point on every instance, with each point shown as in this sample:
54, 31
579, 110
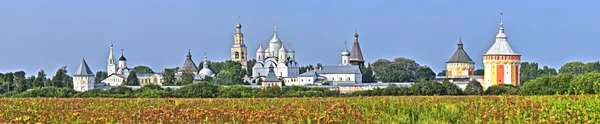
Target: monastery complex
277, 66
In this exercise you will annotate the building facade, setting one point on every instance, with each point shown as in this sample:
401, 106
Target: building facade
501, 62
238, 50
83, 78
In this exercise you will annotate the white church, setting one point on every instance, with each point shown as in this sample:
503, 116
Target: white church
276, 55
345, 73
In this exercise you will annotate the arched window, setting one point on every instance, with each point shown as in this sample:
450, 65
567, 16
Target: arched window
237, 55
341, 79
348, 79
243, 55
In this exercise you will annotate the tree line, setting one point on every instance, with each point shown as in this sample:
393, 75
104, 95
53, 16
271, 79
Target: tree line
571, 78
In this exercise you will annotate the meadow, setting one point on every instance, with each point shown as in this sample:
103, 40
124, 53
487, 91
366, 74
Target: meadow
384, 109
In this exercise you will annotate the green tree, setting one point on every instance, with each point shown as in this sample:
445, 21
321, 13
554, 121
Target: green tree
427, 87
227, 78
547, 85
399, 70
319, 65
474, 88
585, 83
591, 67
100, 75
187, 78
8, 82
231, 73
479, 72
367, 74
19, 75
528, 71
40, 80
424, 72
20, 81
249, 64
132, 79
62, 79
450, 88
499, 89
142, 70
546, 71
442, 73
169, 77
306, 68
572, 68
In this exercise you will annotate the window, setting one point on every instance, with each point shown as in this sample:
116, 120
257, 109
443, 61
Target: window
348, 79
242, 55
237, 55
341, 79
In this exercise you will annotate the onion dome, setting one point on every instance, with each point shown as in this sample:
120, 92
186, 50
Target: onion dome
282, 48
260, 49
345, 52
122, 57
275, 39
205, 70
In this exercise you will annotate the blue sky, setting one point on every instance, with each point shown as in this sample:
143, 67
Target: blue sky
49, 34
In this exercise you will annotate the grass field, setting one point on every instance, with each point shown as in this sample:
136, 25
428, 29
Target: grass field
426, 109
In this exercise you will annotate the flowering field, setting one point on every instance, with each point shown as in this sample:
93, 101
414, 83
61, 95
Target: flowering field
425, 109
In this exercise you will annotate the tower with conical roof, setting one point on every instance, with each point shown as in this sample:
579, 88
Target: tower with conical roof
188, 66
238, 50
111, 64
356, 57
83, 78
501, 62
460, 64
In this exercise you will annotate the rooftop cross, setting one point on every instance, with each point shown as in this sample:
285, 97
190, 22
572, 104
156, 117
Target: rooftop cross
345, 44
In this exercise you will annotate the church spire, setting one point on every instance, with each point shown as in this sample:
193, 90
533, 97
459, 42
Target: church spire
189, 55
460, 44
501, 24
356, 57
239, 26
290, 46
205, 64
111, 56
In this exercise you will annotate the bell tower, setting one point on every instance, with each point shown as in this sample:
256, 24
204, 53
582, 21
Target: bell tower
238, 50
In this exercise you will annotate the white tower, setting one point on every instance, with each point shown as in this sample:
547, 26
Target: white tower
112, 65
122, 64
83, 78
260, 53
282, 53
345, 56
274, 44
291, 53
